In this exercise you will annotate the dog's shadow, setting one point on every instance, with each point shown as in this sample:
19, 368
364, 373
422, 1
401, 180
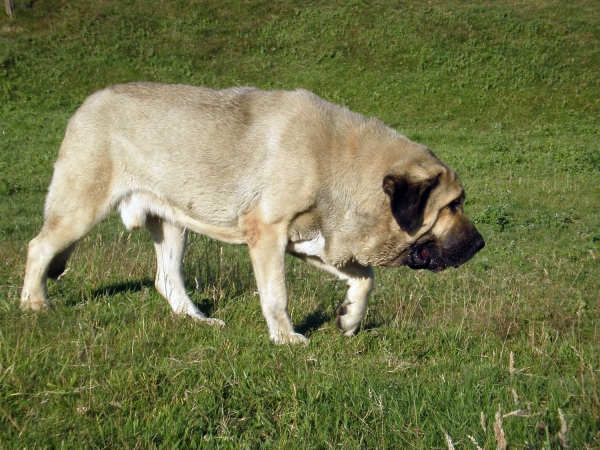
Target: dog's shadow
121, 288
134, 287
317, 319
313, 322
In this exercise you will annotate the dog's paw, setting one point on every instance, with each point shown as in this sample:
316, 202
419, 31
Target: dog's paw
208, 321
30, 305
346, 323
214, 322
293, 338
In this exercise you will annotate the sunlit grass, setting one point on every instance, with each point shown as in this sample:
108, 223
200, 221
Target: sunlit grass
506, 347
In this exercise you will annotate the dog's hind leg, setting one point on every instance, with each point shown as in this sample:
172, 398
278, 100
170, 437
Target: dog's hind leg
169, 241
78, 198
48, 252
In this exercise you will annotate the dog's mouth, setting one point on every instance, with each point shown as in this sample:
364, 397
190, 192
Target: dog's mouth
423, 257
420, 258
430, 256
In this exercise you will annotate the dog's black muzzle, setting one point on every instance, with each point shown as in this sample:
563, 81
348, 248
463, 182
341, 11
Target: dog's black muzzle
435, 257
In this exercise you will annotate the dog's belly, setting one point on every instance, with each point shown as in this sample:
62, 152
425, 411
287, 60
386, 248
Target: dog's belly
135, 207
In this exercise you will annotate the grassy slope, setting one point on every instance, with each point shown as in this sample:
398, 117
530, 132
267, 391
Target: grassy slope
507, 94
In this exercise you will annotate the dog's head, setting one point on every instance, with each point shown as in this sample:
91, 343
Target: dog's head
426, 203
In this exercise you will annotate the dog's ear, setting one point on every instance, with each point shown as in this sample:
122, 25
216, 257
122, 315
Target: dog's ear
408, 198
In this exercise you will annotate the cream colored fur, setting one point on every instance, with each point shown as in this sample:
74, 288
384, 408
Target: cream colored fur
277, 171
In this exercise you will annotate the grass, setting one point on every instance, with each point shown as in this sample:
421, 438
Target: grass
506, 93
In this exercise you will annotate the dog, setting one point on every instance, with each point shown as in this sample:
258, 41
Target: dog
278, 171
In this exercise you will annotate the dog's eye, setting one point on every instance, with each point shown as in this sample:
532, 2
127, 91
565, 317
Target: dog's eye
455, 206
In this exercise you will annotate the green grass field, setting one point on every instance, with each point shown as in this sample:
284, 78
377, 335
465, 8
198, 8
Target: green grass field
506, 348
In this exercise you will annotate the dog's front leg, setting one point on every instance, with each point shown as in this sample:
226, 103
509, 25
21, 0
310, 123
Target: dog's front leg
354, 307
359, 280
266, 243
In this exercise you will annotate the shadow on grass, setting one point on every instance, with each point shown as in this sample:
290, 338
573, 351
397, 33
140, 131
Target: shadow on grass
207, 306
316, 319
374, 324
120, 288
312, 322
